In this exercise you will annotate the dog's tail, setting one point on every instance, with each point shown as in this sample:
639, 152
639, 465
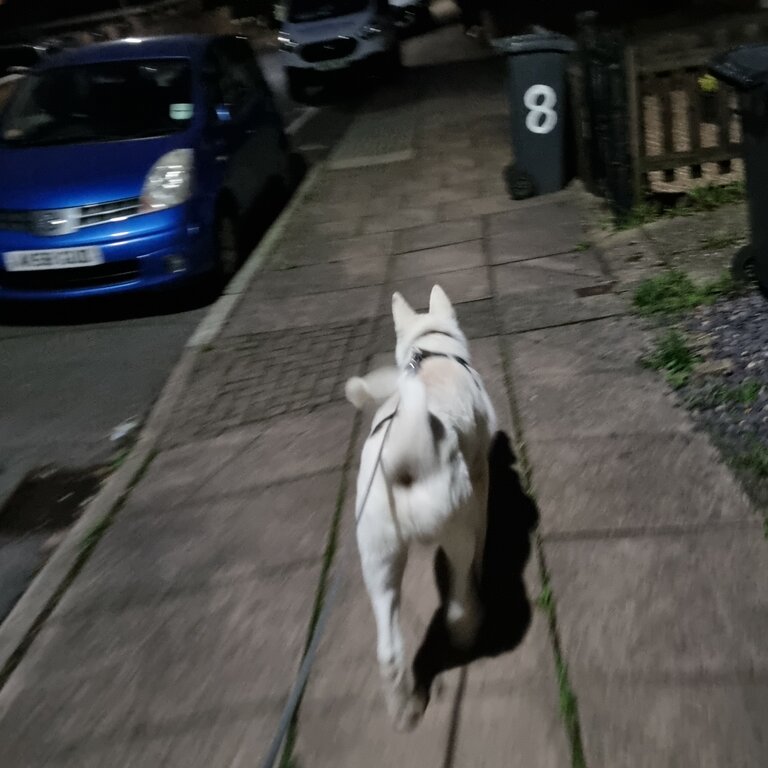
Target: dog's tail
374, 388
410, 452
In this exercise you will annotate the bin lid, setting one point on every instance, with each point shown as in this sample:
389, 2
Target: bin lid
537, 41
745, 67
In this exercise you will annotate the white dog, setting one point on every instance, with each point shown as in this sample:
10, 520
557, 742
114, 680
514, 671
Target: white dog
423, 478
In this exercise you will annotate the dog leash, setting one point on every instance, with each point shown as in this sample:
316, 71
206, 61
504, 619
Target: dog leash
329, 599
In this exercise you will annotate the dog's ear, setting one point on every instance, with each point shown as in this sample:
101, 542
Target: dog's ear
440, 304
401, 312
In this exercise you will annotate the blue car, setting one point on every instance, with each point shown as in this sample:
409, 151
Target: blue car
130, 165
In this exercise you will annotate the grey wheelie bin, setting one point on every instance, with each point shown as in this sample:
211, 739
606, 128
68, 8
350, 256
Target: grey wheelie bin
746, 69
536, 65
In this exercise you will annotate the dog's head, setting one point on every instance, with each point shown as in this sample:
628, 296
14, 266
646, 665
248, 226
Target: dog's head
410, 326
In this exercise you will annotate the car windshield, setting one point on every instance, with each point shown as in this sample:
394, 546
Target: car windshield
316, 10
109, 101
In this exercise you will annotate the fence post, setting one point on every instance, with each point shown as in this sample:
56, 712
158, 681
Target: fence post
635, 117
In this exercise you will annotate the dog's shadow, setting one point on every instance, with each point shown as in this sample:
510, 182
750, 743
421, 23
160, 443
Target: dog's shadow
512, 518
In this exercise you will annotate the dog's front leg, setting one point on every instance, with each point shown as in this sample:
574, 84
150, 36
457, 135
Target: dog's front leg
383, 572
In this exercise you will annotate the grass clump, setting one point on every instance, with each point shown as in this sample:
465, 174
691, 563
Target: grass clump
754, 459
710, 197
674, 291
673, 357
697, 200
721, 394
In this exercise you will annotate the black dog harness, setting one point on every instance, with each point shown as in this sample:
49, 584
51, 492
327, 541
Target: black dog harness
418, 356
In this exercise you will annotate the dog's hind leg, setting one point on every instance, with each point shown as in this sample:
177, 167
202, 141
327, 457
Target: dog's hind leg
383, 572
463, 612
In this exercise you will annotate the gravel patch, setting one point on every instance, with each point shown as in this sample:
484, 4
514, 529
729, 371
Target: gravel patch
734, 333
731, 336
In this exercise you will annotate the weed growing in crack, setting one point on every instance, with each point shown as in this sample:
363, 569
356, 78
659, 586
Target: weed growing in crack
544, 600
673, 357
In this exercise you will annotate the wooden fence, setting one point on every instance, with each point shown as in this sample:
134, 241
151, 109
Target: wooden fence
679, 135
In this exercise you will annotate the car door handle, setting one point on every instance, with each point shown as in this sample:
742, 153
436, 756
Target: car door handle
222, 158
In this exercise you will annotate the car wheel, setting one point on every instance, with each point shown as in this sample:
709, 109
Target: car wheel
228, 250
519, 183
743, 265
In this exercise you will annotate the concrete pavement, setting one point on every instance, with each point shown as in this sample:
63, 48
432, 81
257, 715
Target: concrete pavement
629, 631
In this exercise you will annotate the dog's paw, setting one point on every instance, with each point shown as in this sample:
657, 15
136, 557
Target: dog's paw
407, 713
356, 392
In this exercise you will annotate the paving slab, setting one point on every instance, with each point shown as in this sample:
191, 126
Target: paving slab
559, 276
598, 405
114, 675
382, 133
630, 258
354, 731
239, 740
531, 242
320, 278
666, 608
363, 246
304, 311
438, 195
613, 344
614, 484
675, 726
486, 359
461, 286
433, 235
445, 258
149, 554
180, 471
478, 206
406, 218
539, 215
546, 309
518, 729
291, 446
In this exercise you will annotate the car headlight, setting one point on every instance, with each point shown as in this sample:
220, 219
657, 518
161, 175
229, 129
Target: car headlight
169, 181
370, 30
286, 43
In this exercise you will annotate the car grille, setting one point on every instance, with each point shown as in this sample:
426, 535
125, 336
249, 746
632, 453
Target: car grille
34, 222
329, 49
111, 273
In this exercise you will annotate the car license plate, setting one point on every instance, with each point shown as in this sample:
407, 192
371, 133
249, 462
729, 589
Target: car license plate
332, 64
58, 258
